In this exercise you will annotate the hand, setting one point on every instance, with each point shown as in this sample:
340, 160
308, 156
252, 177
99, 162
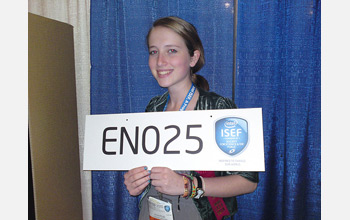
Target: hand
167, 181
136, 180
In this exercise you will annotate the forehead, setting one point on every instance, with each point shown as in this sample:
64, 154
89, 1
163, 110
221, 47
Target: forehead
161, 36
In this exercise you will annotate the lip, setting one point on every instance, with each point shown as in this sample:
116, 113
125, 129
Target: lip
164, 73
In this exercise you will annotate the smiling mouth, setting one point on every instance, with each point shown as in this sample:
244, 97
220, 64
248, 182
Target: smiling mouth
164, 72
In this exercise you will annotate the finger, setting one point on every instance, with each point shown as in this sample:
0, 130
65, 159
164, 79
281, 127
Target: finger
161, 173
155, 176
135, 170
138, 186
136, 181
156, 182
159, 189
135, 174
143, 186
159, 169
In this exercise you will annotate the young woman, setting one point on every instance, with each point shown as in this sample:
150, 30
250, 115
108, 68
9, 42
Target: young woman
175, 55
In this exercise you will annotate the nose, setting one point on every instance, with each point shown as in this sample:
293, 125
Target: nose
161, 60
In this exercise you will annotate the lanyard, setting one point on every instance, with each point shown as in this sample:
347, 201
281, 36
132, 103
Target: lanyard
186, 101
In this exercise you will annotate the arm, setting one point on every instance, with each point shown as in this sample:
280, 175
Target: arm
169, 182
227, 186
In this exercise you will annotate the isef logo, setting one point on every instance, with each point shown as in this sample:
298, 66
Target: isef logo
231, 135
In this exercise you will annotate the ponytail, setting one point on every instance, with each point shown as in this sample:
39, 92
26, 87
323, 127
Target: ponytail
200, 81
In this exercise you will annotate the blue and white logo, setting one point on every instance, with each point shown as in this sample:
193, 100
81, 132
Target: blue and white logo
231, 135
167, 208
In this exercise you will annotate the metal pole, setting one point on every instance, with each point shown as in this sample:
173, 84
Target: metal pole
234, 48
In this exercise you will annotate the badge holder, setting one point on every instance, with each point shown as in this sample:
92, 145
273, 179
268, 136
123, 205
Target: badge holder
160, 208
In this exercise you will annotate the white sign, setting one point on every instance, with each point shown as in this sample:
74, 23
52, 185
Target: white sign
222, 140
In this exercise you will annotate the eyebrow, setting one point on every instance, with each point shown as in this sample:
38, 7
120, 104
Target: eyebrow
171, 45
168, 45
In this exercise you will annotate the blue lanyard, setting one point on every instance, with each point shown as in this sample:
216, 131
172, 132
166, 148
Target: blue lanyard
186, 101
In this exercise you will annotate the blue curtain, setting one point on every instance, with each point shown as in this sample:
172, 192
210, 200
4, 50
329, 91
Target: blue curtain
121, 81
278, 69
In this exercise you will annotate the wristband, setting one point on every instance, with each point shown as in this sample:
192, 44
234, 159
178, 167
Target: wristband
200, 189
194, 189
203, 182
193, 186
186, 183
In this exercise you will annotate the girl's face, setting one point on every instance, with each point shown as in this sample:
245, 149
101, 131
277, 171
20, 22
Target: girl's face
169, 59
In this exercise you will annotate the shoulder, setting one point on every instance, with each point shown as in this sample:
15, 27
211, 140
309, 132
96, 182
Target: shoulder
157, 103
212, 100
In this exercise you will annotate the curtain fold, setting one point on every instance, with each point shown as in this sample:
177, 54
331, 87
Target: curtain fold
279, 69
77, 14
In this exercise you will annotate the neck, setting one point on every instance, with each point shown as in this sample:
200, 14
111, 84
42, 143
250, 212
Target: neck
177, 97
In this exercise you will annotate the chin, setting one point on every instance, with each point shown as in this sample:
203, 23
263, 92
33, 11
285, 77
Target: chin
163, 83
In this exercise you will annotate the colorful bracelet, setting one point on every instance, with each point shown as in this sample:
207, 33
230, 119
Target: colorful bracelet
186, 182
194, 190
193, 187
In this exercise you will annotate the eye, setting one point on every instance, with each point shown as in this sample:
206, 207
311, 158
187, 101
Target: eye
153, 52
172, 51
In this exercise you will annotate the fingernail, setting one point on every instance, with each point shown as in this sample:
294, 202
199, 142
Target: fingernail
145, 168
149, 171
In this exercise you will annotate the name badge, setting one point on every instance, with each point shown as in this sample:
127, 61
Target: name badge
159, 209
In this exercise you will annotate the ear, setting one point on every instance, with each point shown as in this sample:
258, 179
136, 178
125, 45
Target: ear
195, 58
